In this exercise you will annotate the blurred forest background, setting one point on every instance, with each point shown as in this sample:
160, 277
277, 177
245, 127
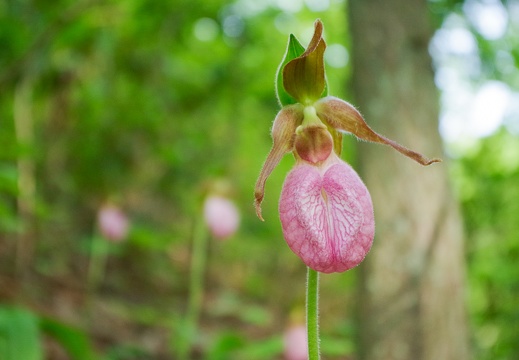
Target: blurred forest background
148, 106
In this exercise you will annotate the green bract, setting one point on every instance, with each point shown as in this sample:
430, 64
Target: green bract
294, 49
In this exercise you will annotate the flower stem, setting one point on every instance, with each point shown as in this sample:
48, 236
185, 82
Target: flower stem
187, 331
98, 256
312, 313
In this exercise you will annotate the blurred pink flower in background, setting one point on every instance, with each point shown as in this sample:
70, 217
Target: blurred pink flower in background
113, 223
295, 343
221, 216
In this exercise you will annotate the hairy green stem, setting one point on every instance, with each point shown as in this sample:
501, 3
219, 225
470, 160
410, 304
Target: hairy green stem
312, 313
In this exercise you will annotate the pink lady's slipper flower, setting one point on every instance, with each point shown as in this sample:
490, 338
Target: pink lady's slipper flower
295, 343
221, 216
113, 223
325, 209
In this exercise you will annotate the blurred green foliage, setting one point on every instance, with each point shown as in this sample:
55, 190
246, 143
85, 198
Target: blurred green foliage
487, 179
19, 337
144, 103
21, 333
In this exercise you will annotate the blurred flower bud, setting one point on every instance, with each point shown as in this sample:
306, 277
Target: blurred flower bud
221, 216
113, 223
295, 343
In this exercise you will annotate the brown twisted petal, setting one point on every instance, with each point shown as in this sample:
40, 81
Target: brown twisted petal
341, 115
283, 134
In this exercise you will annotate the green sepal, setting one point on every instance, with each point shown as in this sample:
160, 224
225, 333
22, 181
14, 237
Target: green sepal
304, 77
294, 50
325, 91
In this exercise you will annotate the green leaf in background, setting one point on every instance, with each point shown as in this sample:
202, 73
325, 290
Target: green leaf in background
19, 335
9, 178
294, 50
226, 344
343, 347
266, 349
73, 340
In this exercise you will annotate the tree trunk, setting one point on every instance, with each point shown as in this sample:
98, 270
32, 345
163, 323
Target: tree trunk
412, 282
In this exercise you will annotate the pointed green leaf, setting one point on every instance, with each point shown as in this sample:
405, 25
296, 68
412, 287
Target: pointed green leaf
74, 341
304, 77
19, 335
294, 50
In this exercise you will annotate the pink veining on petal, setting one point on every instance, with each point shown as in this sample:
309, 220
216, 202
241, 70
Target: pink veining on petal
327, 219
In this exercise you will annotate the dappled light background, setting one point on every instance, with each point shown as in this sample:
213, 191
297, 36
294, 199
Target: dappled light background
145, 108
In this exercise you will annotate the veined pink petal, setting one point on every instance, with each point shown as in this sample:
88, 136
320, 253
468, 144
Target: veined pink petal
327, 216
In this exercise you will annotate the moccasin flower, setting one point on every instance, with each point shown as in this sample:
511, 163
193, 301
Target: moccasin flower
325, 209
113, 223
221, 216
295, 343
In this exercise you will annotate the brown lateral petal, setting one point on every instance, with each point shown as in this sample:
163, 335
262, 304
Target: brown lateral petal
343, 116
283, 134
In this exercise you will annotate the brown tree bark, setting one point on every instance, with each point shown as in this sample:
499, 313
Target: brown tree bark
411, 302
